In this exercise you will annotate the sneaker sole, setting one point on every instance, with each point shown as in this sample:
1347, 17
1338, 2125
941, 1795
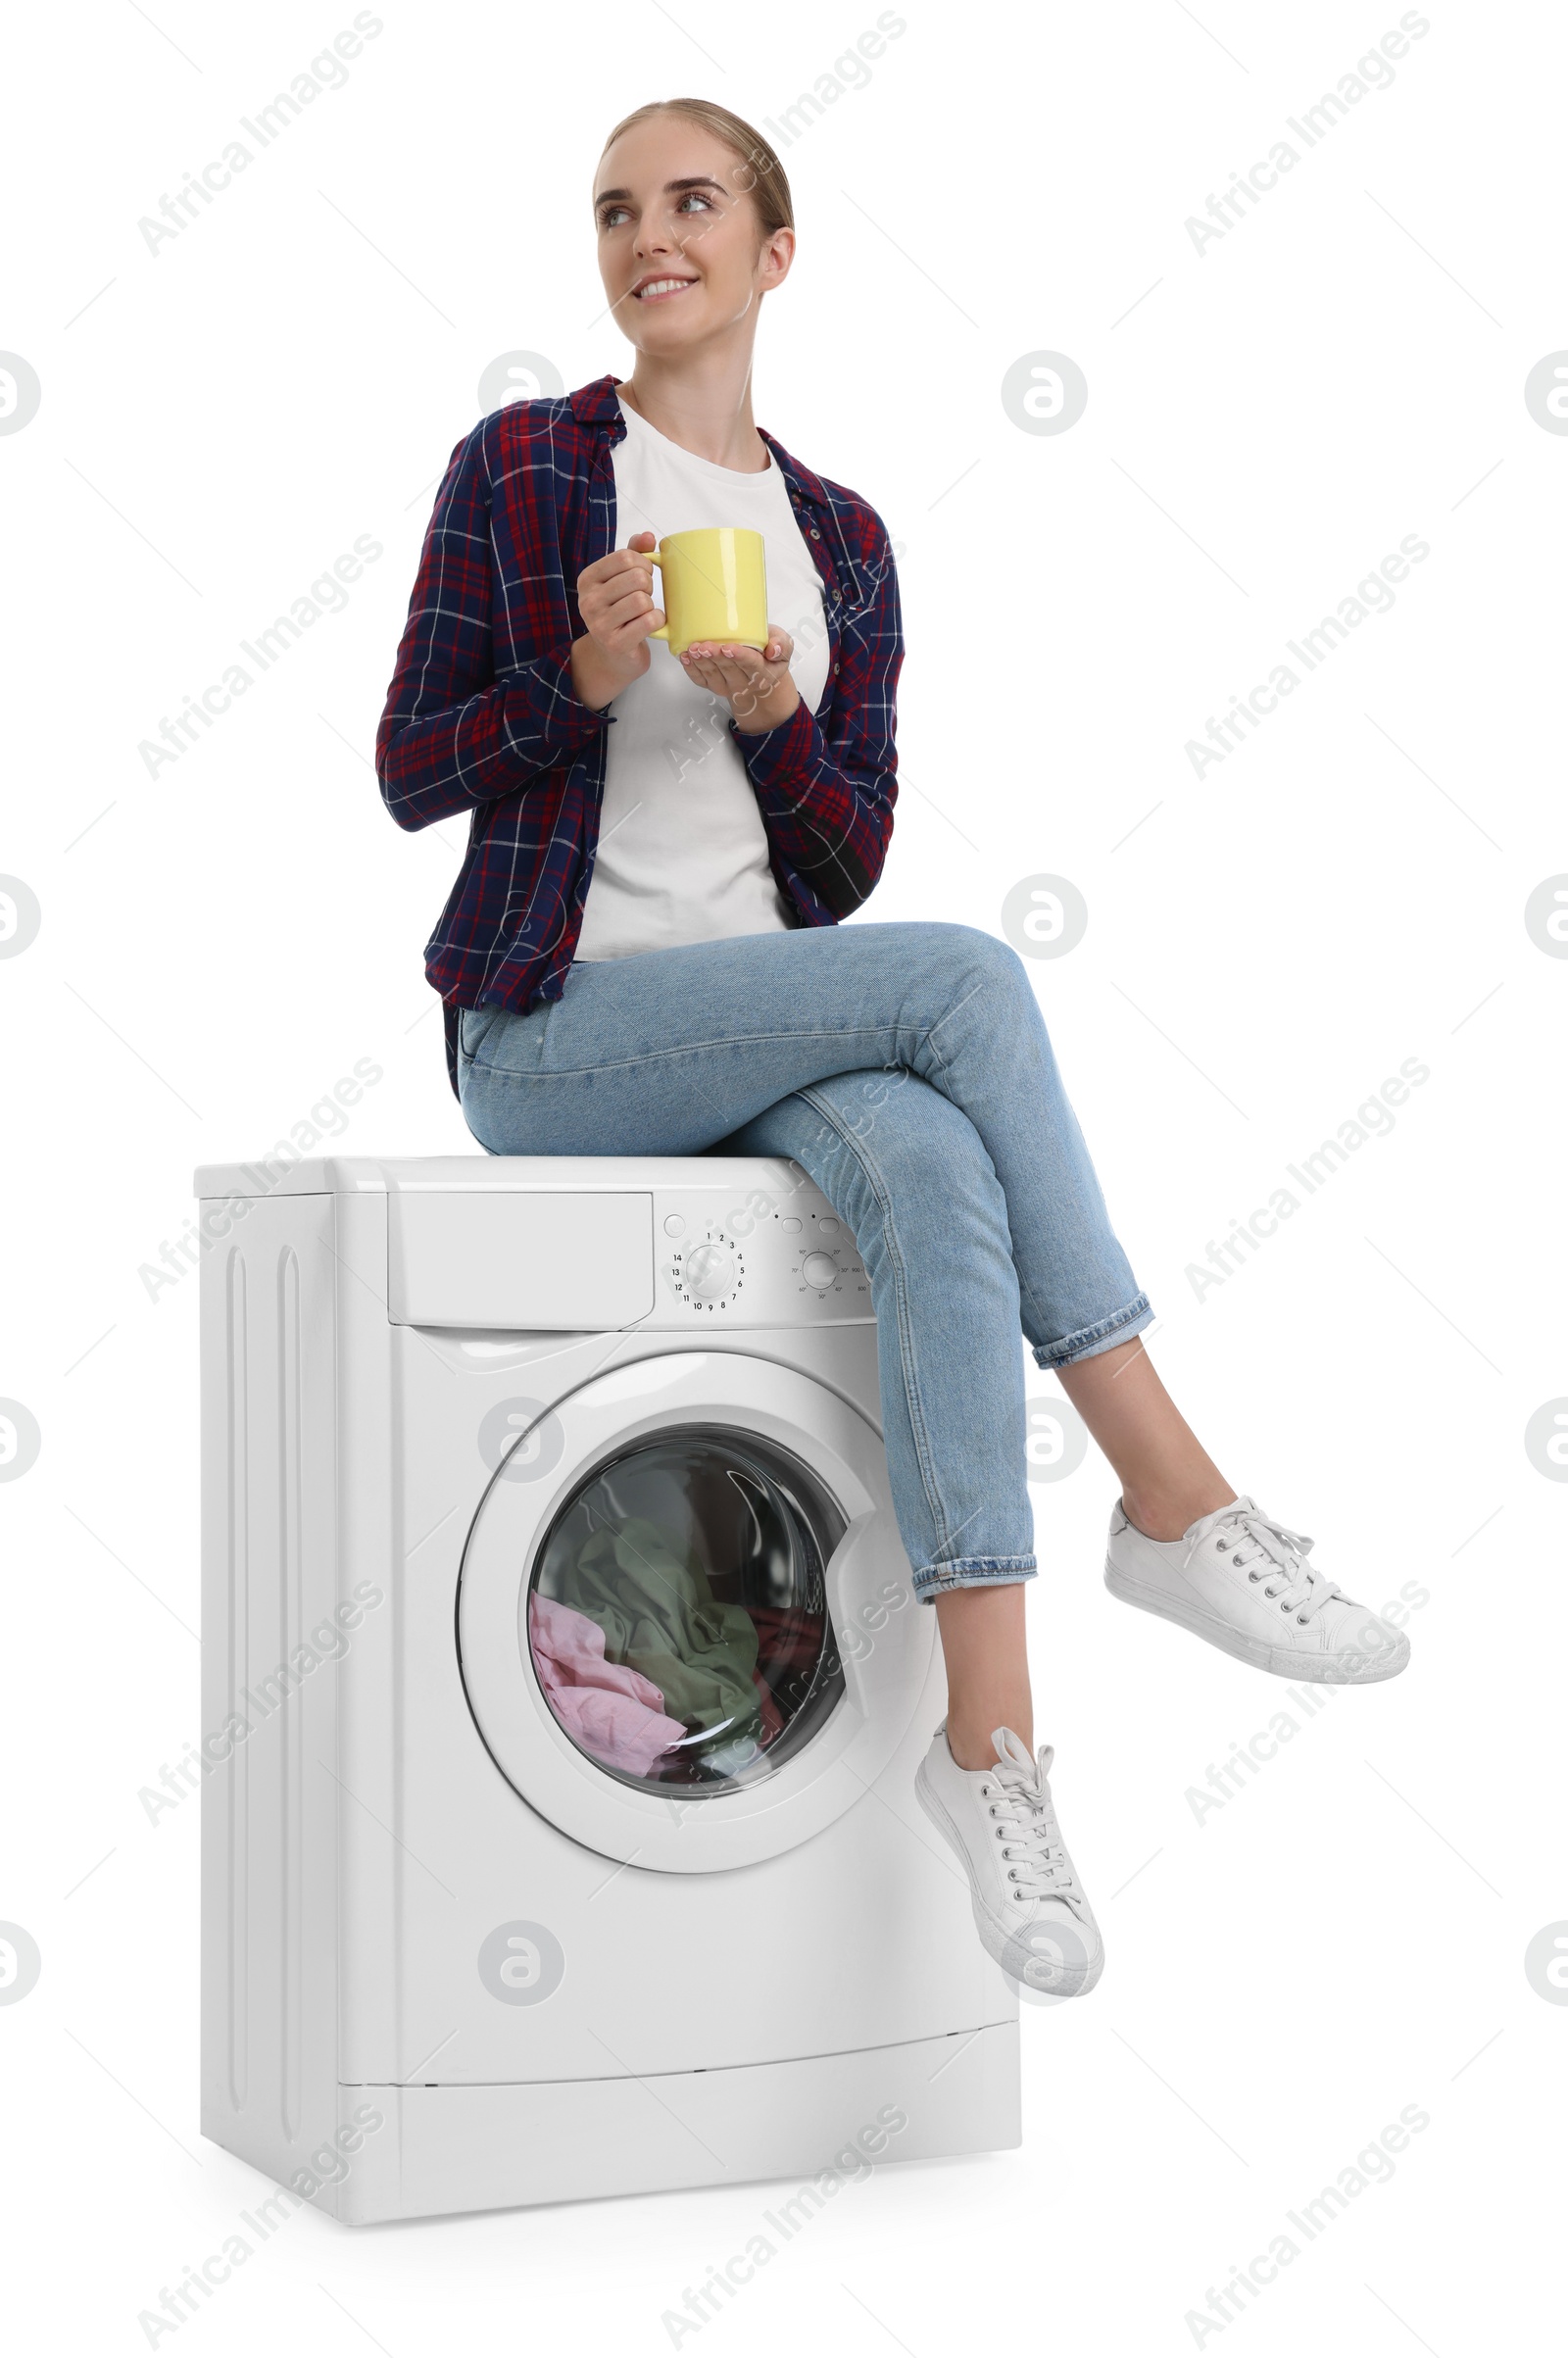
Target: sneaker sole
944, 1825
1283, 1662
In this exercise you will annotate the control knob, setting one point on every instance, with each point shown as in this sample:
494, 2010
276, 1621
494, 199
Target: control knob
710, 1272
820, 1270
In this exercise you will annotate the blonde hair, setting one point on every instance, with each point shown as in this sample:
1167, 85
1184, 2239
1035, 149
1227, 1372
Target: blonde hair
759, 175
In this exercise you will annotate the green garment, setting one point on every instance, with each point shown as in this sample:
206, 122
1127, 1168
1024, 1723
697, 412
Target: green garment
660, 1616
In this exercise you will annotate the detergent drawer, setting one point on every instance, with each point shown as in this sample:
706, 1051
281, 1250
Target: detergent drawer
527, 1262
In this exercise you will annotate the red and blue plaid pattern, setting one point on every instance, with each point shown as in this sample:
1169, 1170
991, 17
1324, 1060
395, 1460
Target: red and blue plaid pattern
481, 717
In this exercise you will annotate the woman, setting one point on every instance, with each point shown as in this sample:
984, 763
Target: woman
642, 954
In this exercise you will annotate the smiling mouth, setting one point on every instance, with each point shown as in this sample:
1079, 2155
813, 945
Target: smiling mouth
663, 291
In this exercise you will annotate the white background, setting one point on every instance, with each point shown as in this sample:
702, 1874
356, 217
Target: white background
219, 942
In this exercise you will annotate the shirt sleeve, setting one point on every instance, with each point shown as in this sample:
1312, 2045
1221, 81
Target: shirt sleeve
826, 793
454, 732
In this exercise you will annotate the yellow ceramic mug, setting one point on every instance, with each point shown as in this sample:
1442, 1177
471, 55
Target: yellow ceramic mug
715, 587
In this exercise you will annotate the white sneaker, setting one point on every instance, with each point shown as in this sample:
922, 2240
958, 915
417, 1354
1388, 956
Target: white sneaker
1030, 1914
1241, 1580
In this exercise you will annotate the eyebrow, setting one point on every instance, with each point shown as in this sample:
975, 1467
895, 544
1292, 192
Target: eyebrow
622, 196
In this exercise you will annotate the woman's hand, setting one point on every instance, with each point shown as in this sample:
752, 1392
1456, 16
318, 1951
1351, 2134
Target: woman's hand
614, 597
757, 686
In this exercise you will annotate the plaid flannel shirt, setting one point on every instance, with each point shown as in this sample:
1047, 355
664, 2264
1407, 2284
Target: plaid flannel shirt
482, 718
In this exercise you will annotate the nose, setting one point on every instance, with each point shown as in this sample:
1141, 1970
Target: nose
654, 237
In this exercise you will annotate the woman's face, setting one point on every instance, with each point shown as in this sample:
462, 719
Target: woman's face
677, 235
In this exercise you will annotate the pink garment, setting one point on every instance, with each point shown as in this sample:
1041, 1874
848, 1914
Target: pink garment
613, 1711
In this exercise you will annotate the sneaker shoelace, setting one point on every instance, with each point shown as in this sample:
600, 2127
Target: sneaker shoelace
1270, 1555
1031, 1841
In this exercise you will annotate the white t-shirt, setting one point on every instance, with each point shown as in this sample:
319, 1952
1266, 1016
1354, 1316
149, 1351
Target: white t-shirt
682, 854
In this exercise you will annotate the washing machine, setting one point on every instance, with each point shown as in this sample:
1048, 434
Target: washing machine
563, 1694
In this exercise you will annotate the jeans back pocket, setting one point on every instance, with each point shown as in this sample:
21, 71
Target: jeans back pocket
474, 1023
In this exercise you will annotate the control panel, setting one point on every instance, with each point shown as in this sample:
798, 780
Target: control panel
761, 1258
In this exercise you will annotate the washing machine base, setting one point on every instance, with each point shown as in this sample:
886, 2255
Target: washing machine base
819, 2121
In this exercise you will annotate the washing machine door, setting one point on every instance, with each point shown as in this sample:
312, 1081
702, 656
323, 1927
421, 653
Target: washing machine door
685, 1622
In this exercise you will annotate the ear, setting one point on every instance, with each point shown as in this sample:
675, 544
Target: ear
774, 256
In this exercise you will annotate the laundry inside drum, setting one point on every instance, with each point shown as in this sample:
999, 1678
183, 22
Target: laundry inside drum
677, 1613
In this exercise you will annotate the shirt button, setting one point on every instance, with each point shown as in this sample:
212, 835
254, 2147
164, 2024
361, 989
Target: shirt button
815, 535
835, 668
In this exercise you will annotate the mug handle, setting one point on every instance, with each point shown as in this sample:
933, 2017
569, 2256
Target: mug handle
663, 632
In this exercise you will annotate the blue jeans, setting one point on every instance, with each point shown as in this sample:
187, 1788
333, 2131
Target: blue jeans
907, 1070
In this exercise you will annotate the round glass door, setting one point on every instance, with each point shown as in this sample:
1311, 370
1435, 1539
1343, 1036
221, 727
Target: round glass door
677, 1612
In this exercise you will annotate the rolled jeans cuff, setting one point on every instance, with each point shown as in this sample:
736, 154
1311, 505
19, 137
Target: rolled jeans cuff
1103, 1335
972, 1572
